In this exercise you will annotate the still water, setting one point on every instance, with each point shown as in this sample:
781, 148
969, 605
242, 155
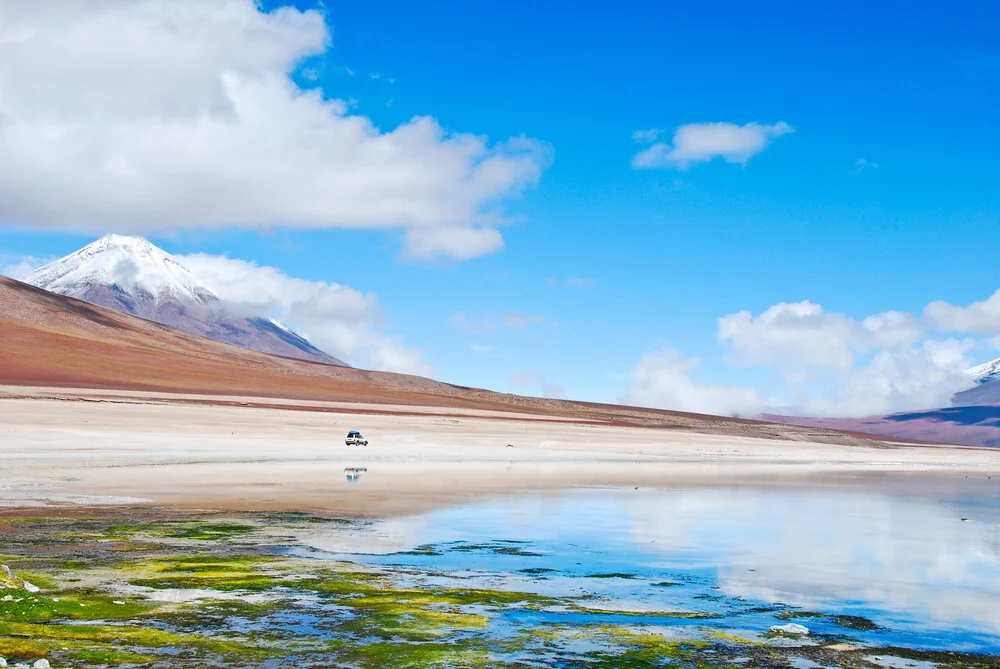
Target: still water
894, 562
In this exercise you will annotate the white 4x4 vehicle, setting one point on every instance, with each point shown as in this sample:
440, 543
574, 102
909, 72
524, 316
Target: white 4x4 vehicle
354, 438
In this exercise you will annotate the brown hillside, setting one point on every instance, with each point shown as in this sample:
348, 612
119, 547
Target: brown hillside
52, 340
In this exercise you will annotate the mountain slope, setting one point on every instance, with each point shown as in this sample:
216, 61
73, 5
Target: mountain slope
987, 393
131, 275
53, 340
967, 425
987, 388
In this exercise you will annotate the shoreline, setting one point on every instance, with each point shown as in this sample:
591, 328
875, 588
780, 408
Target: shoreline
70, 449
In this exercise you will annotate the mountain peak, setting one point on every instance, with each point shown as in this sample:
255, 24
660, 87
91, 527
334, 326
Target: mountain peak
985, 373
132, 265
132, 275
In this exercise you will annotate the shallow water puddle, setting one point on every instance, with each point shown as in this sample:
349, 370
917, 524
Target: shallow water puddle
703, 577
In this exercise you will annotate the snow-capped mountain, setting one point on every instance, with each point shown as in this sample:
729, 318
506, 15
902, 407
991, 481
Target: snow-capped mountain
132, 275
141, 277
986, 373
986, 390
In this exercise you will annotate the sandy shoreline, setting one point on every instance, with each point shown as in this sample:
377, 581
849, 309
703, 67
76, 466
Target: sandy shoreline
60, 447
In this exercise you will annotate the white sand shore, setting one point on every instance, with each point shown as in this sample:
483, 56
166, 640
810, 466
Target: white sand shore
98, 447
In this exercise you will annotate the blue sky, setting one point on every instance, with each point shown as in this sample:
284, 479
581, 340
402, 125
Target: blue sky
885, 197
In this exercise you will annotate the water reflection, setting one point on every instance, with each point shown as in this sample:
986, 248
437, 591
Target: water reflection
352, 474
900, 557
907, 558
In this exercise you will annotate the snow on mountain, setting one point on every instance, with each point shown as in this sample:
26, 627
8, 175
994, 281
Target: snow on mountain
986, 390
132, 275
132, 264
985, 373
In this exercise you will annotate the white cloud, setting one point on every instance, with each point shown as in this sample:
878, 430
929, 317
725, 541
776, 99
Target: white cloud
339, 320
663, 380
831, 365
699, 142
979, 317
526, 381
462, 243
391, 354
163, 114
900, 379
482, 349
20, 267
799, 333
890, 328
802, 334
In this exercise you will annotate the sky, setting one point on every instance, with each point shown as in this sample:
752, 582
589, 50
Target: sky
715, 207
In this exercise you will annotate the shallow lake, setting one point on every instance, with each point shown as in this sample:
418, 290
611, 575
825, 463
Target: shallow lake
896, 561
870, 572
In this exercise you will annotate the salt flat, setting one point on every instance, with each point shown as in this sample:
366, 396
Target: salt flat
76, 447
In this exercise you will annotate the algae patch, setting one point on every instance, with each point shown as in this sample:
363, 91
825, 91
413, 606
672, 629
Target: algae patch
154, 589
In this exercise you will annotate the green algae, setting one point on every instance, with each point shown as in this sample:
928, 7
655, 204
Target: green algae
688, 615
77, 605
182, 529
254, 605
496, 547
856, 623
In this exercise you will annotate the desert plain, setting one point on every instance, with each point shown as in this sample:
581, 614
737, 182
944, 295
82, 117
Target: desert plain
82, 447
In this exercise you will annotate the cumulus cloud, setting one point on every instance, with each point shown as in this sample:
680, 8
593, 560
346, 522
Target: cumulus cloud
461, 243
897, 379
160, 114
700, 142
830, 364
663, 380
338, 319
979, 317
528, 381
802, 334
18, 267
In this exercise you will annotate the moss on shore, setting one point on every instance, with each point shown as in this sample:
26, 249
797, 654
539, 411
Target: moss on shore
151, 589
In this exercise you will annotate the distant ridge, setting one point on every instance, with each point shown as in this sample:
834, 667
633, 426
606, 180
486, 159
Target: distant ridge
132, 275
56, 341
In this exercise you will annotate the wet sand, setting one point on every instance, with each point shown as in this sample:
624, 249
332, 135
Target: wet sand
72, 448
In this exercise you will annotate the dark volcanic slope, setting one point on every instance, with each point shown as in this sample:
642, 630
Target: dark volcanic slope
49, 339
